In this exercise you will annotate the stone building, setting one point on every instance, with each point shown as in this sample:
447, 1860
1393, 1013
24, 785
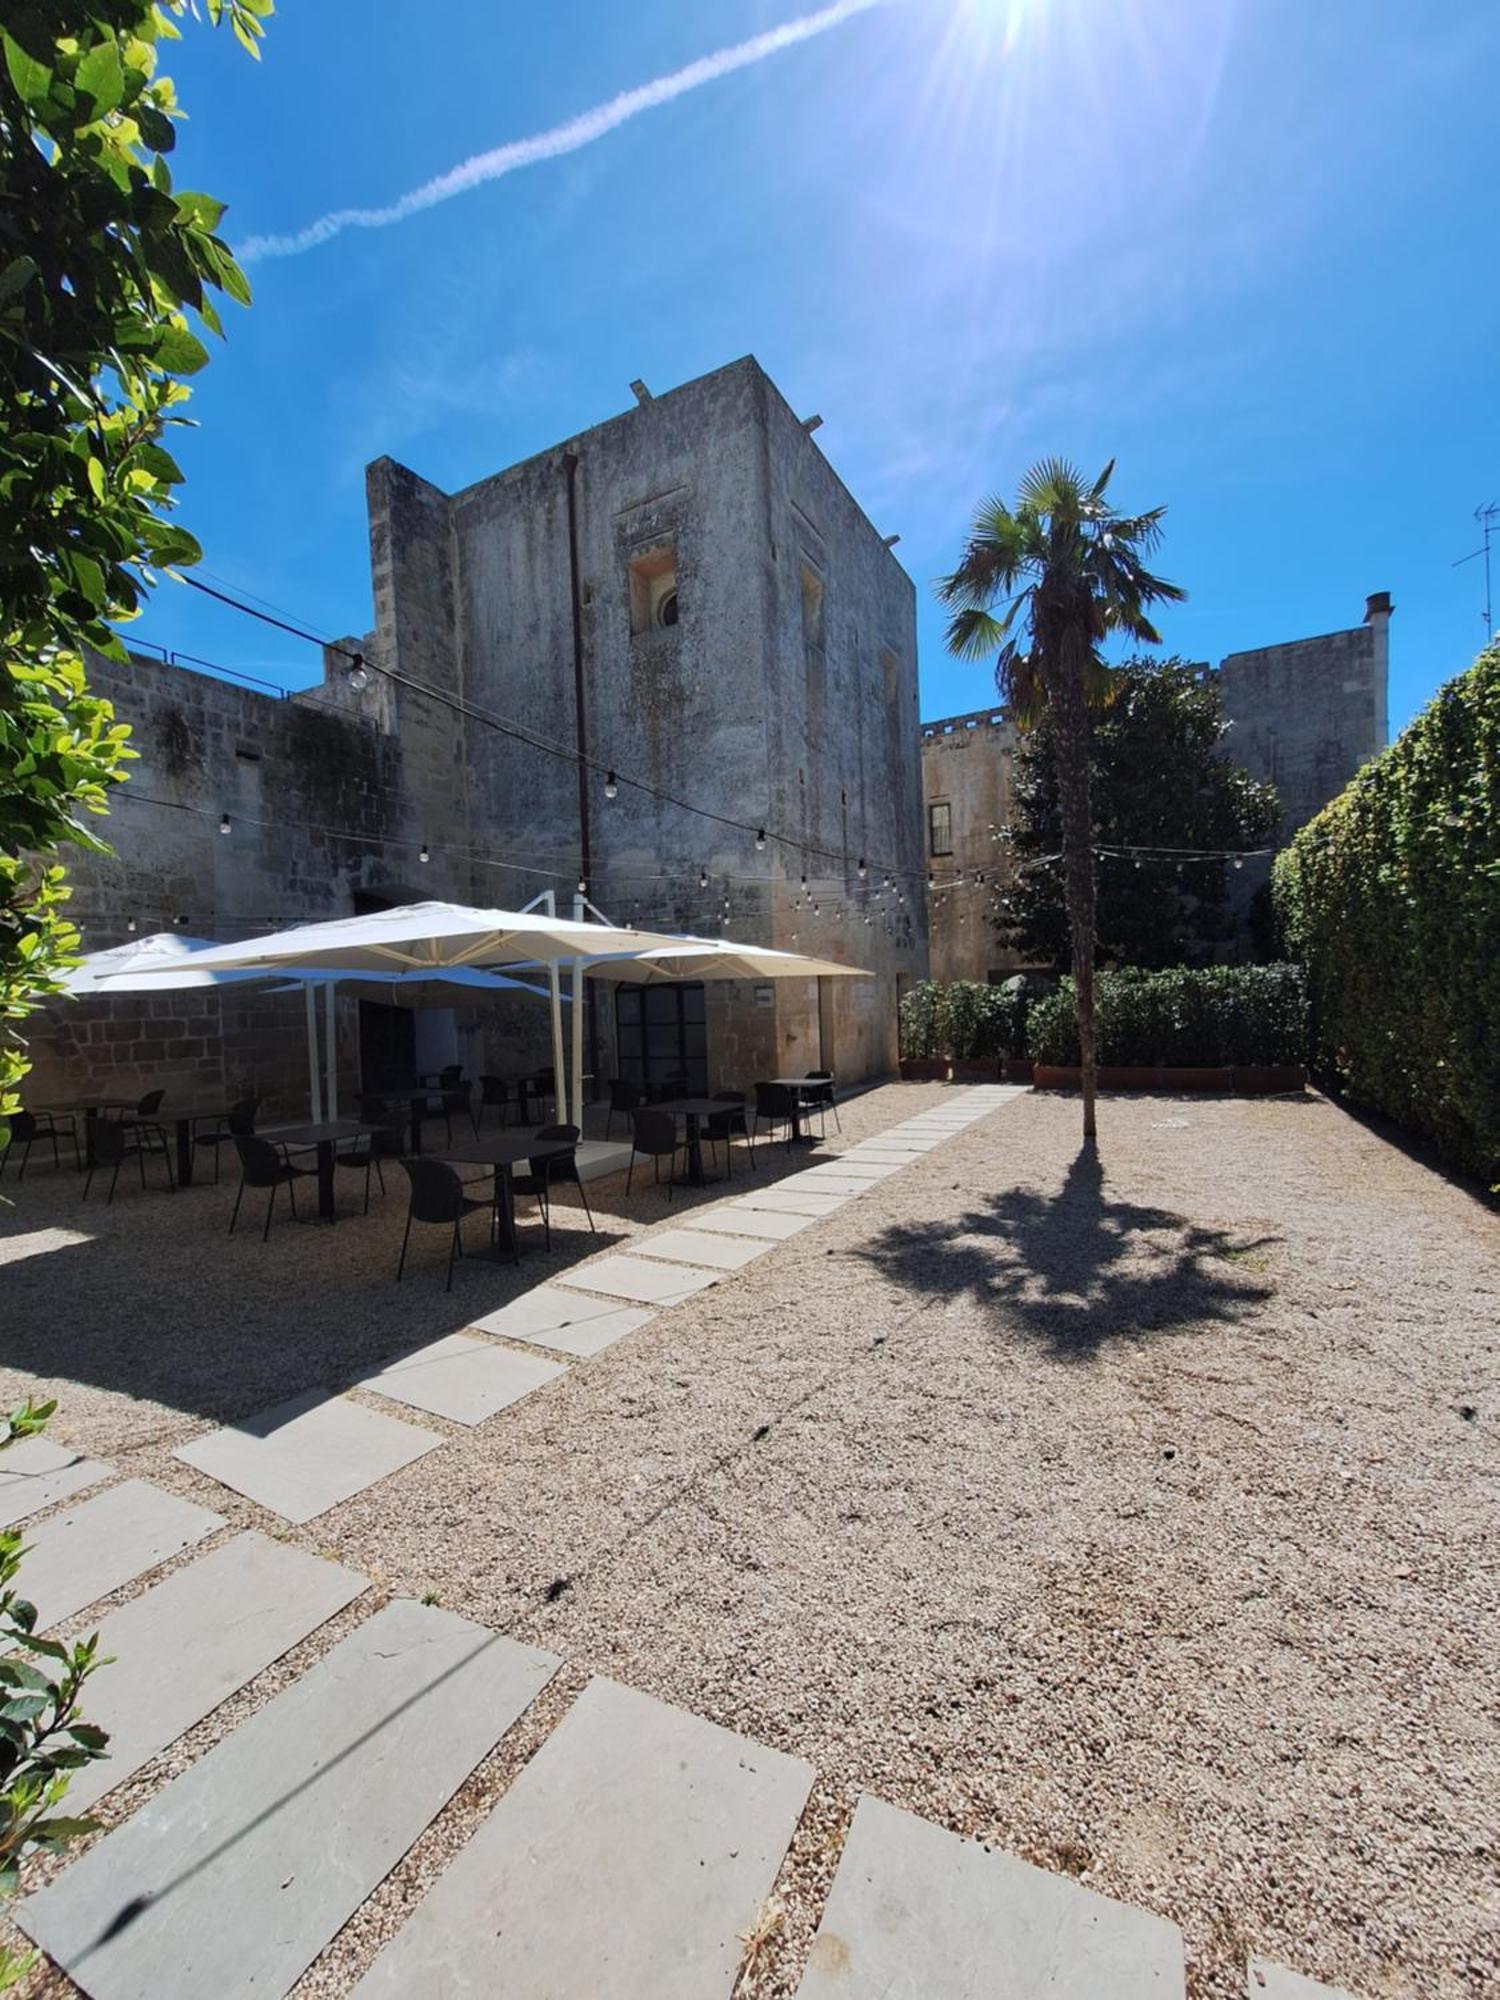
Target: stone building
1306, 714
688, 595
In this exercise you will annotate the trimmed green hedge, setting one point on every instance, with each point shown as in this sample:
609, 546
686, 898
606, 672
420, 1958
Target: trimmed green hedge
1183, 1018
1391, 899
961, 1018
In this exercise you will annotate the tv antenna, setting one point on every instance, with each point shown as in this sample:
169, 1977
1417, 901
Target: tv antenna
1486, 516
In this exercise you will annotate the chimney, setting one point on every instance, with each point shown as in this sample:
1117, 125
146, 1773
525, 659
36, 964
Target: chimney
1378, 609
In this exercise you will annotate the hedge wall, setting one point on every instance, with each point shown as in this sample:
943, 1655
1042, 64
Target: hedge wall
1183, 1018
1391, 899
962, 1018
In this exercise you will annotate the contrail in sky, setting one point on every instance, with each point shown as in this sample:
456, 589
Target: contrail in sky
566, 138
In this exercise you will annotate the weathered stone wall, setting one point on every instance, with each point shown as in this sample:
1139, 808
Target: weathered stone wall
968, 765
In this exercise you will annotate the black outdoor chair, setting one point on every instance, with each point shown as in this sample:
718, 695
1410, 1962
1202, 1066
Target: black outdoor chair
263, 1165
457, 1100
26, 1127
775, 1104
544, 1088
437, 1195
654, 1133
725, 1126
387, 1142
545, 1170
823, 1099
113, 1143
494, 1095
373, 1108
238, 1124
152, 1133
449, 1075
623, 1097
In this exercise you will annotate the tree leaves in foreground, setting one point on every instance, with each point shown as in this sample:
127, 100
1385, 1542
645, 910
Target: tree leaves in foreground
105, 268
1160, 780
43, 1738
1040, 588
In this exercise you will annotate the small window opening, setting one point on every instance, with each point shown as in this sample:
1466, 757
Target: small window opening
940, 827
653, 590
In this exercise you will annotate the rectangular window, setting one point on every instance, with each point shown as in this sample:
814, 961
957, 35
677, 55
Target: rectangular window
653, 590
940, 827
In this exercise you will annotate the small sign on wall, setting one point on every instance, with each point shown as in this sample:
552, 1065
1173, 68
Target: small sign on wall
765, 996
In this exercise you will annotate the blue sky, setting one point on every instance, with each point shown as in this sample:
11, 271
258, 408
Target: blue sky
1246, 247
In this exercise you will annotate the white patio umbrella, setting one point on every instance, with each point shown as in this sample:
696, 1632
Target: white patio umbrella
165, 960
433, 938
718, 958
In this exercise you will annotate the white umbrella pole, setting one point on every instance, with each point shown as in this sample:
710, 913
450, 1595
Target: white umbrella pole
314, 1089
579, 910
330, 1026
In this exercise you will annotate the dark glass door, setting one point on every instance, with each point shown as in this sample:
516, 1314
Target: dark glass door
387, 1046
661, 1032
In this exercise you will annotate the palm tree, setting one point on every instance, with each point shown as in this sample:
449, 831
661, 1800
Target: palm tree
1041, 586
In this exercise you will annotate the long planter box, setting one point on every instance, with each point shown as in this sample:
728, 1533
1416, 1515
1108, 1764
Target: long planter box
924, 1069
1244, 1079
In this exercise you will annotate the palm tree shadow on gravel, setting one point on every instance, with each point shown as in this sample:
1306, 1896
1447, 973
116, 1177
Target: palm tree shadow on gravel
1075, 1270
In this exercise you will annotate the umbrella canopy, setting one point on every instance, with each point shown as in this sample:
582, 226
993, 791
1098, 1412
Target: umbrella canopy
718, 958
429, 937
414, 989
163, 962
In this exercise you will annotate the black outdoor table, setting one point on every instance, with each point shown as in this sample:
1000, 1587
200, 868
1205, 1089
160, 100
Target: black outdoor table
502, 1153
695, 1110
802, 1088
185, 1121
418, 1102
327, 1138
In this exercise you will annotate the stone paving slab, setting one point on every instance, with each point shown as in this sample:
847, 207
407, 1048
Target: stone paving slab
90, 1550
624, 1863
301, 1457
820, 1181
634, 1278
783, 1200
695, 1246
462, 1379
234, 1877
186, 1645
765, 1223
36, 1472
564, 1321
855, 1166
1278, 1982
915, 1913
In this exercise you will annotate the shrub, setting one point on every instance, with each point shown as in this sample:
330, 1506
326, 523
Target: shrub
960, 1018
1391, 899
1182, 1018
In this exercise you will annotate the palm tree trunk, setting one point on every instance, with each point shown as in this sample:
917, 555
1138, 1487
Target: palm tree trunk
1072, 748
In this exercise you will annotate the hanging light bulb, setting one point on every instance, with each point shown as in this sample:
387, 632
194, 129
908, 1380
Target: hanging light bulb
359, 674
130, 924
223, 822
760, 840
1239, 861
931, 879
611, 785
423, 853
864, 869
583, 887
702, 878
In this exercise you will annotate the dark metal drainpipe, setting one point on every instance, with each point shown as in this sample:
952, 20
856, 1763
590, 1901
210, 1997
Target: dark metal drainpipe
570, 467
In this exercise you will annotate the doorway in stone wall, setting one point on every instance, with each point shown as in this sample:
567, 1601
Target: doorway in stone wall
662, 1032
387, 1046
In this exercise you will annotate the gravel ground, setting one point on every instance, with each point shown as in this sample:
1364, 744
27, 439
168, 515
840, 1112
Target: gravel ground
1138, 1518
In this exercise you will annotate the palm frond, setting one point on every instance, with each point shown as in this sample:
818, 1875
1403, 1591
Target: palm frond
974, 633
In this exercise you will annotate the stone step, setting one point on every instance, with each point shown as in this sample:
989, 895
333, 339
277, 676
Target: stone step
765, 1223
233, 1878
565, 1321
820, 1180
89, 1551
626, 1860
1278, 1982
186, 1645
303, 1456
696, 1246
634, 1278
461, 1379
915, 1913
787, 1201
36, 1472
